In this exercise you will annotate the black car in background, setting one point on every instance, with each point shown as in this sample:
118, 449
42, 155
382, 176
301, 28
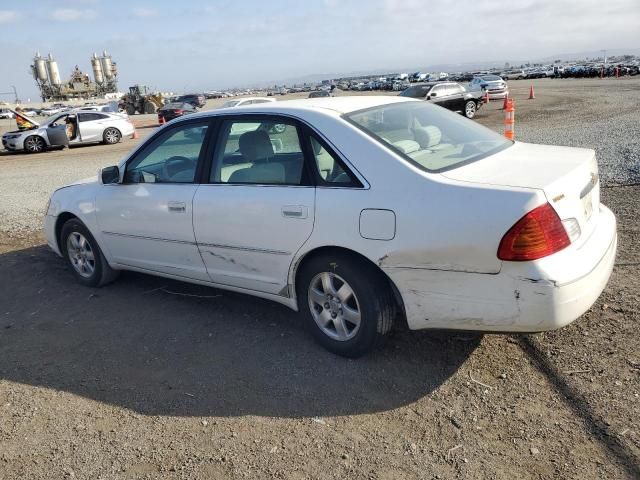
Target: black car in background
195, 99
449, 95
174, 110
319, 94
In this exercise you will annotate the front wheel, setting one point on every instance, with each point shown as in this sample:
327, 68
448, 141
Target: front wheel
348, 304
34, 144
83, 255
470, 109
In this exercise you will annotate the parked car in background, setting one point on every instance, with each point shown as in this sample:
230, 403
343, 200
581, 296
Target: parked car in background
375, 208
30, 112
320, 94
69, 128
196, 99
174, 110
450, 95
514, 75
6, 113
241, 102
53, 109
493, 84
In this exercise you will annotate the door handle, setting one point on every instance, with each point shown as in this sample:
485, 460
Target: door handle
177, 207
294, 211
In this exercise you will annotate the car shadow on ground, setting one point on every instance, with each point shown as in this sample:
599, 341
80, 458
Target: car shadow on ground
162, 347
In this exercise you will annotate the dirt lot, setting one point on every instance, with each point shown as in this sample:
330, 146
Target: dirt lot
137, 381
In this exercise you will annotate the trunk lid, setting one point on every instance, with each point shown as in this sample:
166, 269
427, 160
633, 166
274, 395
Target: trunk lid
568, 177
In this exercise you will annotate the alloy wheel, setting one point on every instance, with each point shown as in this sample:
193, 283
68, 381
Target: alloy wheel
470, 109
81, 254
112, 136
334, 306
34, 144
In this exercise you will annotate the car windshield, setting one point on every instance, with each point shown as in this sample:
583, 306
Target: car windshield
428, 136
230, 103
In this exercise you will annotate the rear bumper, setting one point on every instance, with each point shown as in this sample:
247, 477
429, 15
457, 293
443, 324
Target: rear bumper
521, 298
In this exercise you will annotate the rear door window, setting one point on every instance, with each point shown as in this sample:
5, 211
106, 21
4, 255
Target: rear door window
259, 151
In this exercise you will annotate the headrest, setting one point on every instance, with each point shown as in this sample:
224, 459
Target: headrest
255, 145
428, 136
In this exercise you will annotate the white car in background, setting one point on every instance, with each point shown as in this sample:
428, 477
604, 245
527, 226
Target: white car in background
494, 85
243, 102
361, 211
6, 113
88, 127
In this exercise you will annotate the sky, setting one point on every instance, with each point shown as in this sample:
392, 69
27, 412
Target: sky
192, 45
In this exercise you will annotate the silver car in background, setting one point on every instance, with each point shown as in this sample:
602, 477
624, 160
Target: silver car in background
68, 128
494, 85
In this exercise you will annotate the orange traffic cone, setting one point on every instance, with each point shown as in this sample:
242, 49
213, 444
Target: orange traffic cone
486, 96
135, 135
532, 95
506, 101
509, 120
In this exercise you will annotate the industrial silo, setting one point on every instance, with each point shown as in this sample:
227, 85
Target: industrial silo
107, 65
96, 64
39, 68
54, 73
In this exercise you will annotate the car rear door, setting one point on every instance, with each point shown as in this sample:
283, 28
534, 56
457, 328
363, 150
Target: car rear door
91, 126
456, 98
258, 205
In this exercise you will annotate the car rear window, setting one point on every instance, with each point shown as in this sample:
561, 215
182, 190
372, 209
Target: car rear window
429, 137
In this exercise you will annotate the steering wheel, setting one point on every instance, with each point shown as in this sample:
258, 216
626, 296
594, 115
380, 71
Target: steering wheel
174, 165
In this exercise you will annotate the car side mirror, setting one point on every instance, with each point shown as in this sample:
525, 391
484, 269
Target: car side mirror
434, 94
110, 175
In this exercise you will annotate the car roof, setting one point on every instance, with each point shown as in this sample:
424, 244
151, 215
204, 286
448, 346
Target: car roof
335, 105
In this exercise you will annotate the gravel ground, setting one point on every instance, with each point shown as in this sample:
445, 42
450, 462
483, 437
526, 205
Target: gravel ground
135, 382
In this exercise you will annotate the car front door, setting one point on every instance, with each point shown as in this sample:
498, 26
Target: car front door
146, 220
258, 208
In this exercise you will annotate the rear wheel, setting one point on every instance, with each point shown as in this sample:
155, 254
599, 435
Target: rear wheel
131, 110
111, 136
470, 109
34, 144
83, 255
348, 304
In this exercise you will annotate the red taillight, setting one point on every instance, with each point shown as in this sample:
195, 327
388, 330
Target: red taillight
538, 234
179, 112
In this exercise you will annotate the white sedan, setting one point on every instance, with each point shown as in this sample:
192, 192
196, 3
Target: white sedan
360, 212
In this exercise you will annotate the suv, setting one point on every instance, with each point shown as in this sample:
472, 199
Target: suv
195, 99
449, 95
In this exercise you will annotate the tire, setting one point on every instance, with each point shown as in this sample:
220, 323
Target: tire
111, 136
323, 301
131, 110
470, 109
83, 255
34, 144
149, 107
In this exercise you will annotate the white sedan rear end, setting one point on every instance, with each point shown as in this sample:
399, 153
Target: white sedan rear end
355, 211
